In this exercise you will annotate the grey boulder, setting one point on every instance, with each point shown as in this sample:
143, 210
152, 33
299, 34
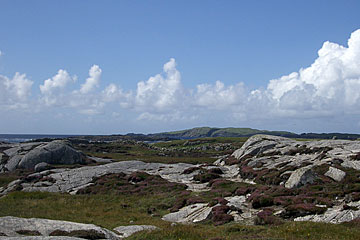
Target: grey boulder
42, 167
56, 152
335, 174
189, 214
40, 238
300, 177
127, 231
18, 227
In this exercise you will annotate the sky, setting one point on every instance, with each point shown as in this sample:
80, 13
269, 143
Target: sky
114, 67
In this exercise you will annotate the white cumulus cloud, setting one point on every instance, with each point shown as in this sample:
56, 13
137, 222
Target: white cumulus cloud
329, 85
219, 96
52, 89
59, 81
161, 92
14, 92
93, 81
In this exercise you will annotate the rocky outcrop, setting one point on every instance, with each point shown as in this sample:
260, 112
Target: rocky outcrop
127, 231
28, 155
235, 207
287, 156
257, 145
37, 228
286, 166
56, 152
42, 167
336, 214
335, 174
300, 177
19, 227
40, 238
71, 180
189, 214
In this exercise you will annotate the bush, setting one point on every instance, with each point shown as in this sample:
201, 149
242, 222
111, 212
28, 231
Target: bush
302, 209
262, 201
219, 215
266, 217
206, 177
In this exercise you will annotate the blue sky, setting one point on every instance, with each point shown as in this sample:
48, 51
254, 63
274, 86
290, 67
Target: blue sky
229, 63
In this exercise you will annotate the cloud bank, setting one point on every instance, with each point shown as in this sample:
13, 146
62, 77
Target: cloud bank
329, 87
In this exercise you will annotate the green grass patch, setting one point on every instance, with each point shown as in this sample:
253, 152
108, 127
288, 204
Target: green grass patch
8, 177
194, 151
110, 210
105, 210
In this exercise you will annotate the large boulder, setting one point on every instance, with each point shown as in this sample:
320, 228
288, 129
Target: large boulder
42, 167
28, 155
189, 214
258, 144
335, 174
127, 231
18, 227
56, 152
300, 177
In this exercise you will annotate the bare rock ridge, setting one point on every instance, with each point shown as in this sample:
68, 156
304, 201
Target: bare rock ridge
294, 160
72, 180
20, 228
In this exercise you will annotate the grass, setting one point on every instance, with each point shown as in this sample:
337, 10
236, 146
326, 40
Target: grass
8, 177
105, 210
163, 152
110, 211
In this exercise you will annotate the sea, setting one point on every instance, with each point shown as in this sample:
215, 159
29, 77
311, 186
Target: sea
17, 138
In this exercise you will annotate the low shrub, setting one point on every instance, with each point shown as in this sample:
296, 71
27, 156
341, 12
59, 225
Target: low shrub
204, 177
266, 217
220, 216
302, 209
259, 200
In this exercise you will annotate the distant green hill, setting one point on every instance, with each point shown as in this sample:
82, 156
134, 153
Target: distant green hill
201, 132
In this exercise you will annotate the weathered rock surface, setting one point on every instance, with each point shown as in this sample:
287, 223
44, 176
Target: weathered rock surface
263, 152
257, 145
28, 155
40, 238
335, 214
56, 152
335, 174
127, 231
42, 167
189, 214
71, 180
17, 227
300, 177
241, 212
280, 162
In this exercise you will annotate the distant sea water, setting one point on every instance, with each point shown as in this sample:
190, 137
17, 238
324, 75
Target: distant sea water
16, 138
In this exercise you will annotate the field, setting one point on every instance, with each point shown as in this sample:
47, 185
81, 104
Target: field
112, 201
